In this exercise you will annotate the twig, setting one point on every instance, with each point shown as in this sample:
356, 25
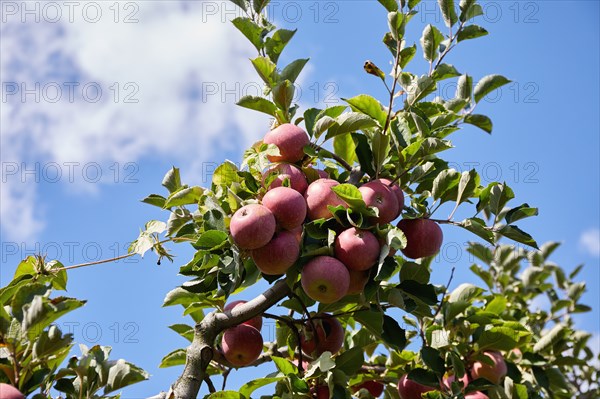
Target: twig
444, 294
340, 160
209, 383
225, 375
388, 119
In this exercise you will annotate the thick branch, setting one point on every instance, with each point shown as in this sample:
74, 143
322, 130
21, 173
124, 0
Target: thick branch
201, 351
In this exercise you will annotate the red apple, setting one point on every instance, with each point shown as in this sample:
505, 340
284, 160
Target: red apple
493, 372
329, 336
358, 280
397, 191
7, 391
423, 237
252, 226
319, 195
255, 322
287, 205
278, 255
476, 395
290, 139
296, 178
357, 249
409, 389
242, 345
377, 194
325, 279
297, 232
375, 388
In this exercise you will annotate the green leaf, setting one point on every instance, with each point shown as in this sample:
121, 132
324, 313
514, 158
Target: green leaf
407, 54
464, 293
372, 320
469, 181
259, 104
432, 359
499, 195
520, 212
350, 361
350, 122
292, 71
390, 5
419, 89
226, 174
275, 44
369, 106
444, 71
430, 42
41, 311
283, 94
284, 365
464, 88
225, 395
396, 23
471, 32
393, 334
344, 147
185, 196
251, 386
363, 153
266, 69
424, 377
423, 292
155, 199
448, 12
122, 374
351, 195
211, 239
518, 235
184, 330
414, 271
243, 4
488, 84
175, 358
497, 338
443, 182
172, 180
481, 121
259, 5
380, 147
496, 305
251, 30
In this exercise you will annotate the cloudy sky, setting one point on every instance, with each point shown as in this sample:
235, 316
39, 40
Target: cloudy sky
99, 99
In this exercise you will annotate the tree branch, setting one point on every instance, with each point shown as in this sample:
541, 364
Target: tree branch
201, 352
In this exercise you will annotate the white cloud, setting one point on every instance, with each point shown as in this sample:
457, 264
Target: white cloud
589, 241
166, 61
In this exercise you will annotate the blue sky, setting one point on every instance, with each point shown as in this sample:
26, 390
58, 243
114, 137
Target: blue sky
74, 169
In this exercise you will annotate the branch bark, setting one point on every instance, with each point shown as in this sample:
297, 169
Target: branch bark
201, 352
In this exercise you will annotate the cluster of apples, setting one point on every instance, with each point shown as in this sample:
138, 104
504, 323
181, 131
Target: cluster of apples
493, 370
271, 230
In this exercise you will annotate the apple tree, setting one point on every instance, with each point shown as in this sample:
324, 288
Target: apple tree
339, 211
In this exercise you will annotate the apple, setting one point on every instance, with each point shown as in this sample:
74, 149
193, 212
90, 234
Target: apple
409, 389
423, 237
297, 232
320, 392
397, 191
319, 195
476, 395
375, 388
493, 372
377, 194
252, 226
357, 249
278, 255
325, 279
255, 322
296, 178
358, 280
290, 139
242, 345
329, 336
451, 378
7, 391
287, 205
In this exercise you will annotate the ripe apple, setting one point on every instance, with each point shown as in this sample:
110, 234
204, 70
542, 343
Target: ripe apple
7, 391
397, 191
476, 395
242, 345
375, 388
329, 335
409, 389
494, 372
287, 205
377, 194
357, 249
325, 279
318, 195
290, 139
297, 232
252, 226
451, 378
255, 322
358, 280
423, 237
278, 255
286, 171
